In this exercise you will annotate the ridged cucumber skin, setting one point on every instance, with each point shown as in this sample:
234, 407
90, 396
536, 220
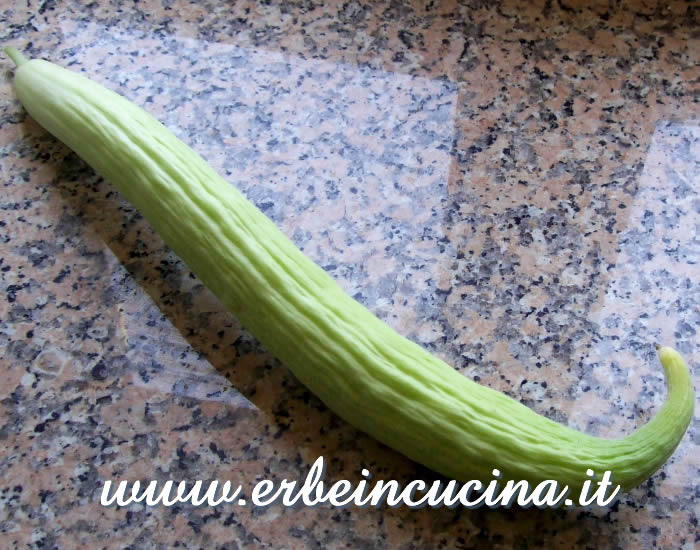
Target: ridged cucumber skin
363, 370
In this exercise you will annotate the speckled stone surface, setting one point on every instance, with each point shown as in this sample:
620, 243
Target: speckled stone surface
514, 186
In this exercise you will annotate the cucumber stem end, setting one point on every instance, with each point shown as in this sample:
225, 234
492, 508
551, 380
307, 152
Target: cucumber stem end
15, 55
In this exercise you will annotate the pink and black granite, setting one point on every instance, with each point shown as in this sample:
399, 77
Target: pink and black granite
512, 185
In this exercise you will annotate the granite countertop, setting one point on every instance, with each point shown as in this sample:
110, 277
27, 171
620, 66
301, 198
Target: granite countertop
513, 186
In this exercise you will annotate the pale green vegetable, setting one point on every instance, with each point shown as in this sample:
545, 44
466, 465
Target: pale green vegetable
363, 370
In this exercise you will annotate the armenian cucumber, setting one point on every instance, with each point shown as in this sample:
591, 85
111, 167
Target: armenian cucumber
363, 370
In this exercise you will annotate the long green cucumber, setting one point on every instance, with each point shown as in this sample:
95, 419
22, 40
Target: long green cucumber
363, 370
